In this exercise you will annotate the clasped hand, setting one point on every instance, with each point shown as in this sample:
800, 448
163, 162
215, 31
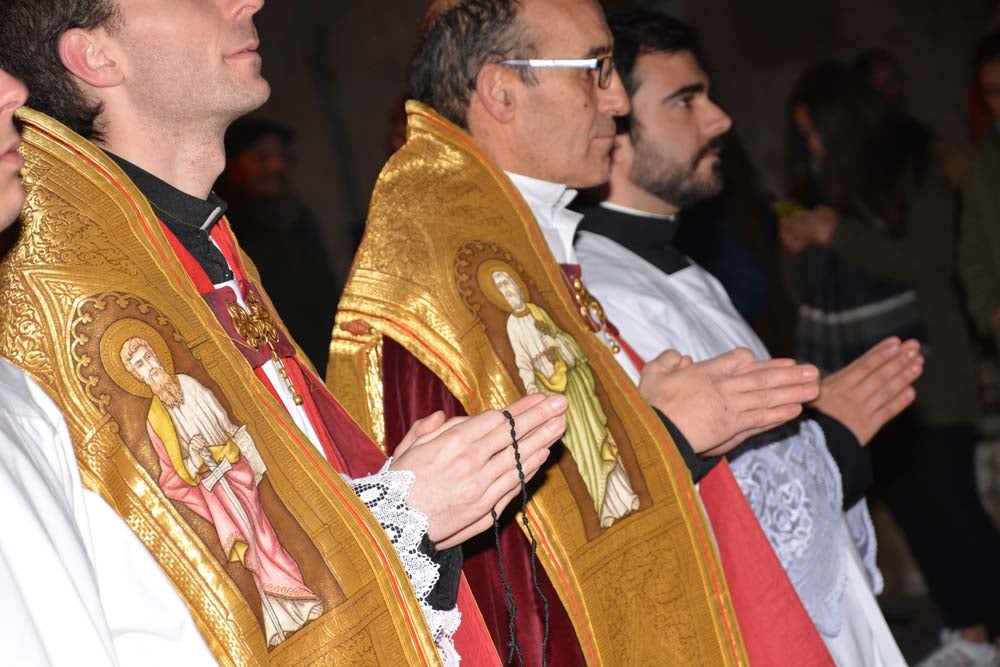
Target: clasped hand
465, 466
875, 388
720, 402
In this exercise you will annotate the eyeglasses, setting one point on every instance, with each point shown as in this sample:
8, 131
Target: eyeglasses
604, 67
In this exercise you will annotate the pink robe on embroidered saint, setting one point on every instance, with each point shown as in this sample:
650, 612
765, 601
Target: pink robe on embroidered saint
229, 499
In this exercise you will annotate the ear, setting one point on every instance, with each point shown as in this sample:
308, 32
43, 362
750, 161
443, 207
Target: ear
87, 55
495, 92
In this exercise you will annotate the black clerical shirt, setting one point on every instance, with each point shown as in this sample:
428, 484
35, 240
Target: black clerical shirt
188, 218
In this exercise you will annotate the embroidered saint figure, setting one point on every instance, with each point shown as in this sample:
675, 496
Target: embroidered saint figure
550, 362
212, 466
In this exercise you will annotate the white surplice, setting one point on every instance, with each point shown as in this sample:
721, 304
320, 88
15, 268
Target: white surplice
77, 587
792, 482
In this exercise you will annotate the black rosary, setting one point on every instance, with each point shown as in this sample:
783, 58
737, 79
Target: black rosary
514, 647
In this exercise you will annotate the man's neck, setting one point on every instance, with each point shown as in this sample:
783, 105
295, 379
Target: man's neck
623, 192
188, 159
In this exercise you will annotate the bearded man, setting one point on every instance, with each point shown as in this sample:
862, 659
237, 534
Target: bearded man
804, 480
213, 467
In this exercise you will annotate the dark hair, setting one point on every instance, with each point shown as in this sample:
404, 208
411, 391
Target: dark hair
638, 32
987, 51
30, 31
870, 150
455, 44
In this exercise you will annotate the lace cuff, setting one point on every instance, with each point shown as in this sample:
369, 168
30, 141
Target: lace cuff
385, 493
794, 488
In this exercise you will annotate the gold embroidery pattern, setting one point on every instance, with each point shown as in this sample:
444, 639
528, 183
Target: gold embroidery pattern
464, 270
593, 312
255, 325
441, 187
82, 361
364, 361
374, 391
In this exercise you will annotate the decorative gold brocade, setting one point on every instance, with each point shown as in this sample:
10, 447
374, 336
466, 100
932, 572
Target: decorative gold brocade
649, 589
92, 254
255, 325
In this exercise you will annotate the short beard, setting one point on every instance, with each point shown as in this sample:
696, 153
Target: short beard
166, 388
676, 184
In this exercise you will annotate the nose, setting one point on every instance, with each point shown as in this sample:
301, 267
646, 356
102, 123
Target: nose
717, 121
613, 99
13, 94
245, 8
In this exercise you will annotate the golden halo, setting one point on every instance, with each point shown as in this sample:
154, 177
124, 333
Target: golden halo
111, 346
484, 276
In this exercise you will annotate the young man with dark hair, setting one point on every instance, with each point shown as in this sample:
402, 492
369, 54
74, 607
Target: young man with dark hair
491, 202
667, 161
141, 249
33, 42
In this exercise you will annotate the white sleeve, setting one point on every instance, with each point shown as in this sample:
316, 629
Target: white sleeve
76, 586
385, 493
50, 607
148, 621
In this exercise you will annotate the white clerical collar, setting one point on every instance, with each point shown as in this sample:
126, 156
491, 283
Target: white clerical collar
549, 203
611, 206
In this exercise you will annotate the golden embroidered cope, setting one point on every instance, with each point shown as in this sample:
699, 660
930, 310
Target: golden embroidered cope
444, 222
91, 256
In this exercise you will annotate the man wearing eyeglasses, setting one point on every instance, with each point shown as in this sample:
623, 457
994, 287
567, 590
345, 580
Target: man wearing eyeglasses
516, 107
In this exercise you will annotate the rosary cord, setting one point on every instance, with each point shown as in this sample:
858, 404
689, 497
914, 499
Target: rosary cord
508, 594
531, 537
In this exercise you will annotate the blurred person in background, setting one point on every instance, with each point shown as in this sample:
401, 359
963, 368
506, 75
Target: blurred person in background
885, 75
278, 231
872, 255
984, 96
979, 250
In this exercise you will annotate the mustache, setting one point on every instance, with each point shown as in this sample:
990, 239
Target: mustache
713, 145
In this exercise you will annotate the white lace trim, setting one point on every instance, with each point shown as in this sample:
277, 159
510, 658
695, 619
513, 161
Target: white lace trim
794, 487
385, 493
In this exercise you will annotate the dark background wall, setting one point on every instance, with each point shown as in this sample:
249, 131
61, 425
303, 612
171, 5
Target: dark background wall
337, 66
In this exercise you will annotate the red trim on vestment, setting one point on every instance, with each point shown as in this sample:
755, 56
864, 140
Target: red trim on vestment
776, 628
472, 641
